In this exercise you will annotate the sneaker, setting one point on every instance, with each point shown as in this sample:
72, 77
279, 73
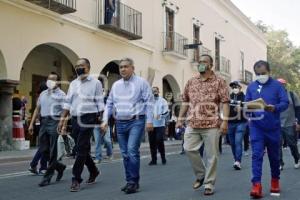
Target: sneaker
151, 163
198, 183
246, 153
275, 188
92, 178
132, 188
256, 191
97, 161
42, 173
109, 158
75, 187
237, 165
297, 165
33, 170
281, 167
164, 161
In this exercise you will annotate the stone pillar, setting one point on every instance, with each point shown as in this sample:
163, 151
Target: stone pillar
6, 91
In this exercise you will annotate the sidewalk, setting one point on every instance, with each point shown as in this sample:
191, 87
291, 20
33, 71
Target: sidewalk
27, 154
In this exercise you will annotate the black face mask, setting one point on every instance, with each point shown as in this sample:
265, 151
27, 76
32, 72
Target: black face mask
79, 71
155, 95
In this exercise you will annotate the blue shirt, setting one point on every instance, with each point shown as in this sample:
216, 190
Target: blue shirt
128, 98
51, 102
161, 110
272, 92
84, 96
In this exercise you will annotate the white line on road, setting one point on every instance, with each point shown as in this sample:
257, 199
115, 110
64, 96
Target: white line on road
27, 173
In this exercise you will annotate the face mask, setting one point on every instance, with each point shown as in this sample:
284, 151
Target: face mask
236, 90
262, 78
79, 71
51, 84
202, 68
155, 95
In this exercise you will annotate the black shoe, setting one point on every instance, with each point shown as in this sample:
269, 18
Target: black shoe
33, 170
152, 163
92, 178
124, 188
75, 187
132, 188
60, 172
164, 161
45, 182
198, 183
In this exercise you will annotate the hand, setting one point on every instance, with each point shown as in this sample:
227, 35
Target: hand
179, 124
297, 127
103, 127
61, 129
30, 129
270, 108
149, 127
224, 127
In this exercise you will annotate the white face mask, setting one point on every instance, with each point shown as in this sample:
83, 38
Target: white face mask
236, 90
262, 78
51, 84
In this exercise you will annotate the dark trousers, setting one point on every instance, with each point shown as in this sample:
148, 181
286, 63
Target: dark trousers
48, 145
108, 16
156, 141
83, 126
39, 157
289, 133
246, 139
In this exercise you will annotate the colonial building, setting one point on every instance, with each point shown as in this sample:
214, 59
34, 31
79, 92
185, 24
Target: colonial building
162, 36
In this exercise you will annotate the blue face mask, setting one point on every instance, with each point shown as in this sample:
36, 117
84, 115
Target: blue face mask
79, 71
202, 68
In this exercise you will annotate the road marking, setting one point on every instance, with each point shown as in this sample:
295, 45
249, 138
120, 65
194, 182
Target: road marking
27, 173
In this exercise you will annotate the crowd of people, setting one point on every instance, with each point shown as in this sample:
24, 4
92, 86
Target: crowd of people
267, 114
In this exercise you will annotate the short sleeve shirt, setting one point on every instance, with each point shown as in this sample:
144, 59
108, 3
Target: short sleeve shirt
204, 98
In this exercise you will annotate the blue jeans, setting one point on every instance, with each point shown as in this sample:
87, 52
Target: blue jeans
99, 140
130, 134
39, 157
236, 135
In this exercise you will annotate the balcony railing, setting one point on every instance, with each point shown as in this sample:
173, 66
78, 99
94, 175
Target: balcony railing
123, 21
59, 6
174, 44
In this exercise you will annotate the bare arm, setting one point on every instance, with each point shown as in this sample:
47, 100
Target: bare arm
34, 117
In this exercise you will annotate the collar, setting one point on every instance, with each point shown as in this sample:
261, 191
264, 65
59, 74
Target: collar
211, 77
88, 78
53, 91
129, 80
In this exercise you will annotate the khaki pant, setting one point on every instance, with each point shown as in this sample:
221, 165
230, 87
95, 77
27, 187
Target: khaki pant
193, 140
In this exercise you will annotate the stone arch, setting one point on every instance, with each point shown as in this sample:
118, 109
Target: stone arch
109, 74
170, 85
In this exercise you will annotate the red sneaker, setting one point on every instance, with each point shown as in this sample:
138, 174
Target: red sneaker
275, 188
256, 191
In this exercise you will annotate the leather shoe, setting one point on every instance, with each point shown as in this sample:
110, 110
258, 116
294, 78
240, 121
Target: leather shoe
92, 178
152, 163
75, 187
132, 188
45, 182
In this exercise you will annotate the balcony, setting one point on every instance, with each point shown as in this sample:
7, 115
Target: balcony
224, 69
123, 21
58, 6
174, 45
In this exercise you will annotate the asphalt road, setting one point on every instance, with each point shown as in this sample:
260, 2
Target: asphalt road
170, 182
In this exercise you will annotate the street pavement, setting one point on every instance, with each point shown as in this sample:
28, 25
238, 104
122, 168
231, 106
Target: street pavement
171, 182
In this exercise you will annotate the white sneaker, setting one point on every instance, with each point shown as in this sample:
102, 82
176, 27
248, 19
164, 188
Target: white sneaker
237, 165
246, 153
97, 161
297, 165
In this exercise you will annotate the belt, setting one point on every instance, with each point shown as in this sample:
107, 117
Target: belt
133, 117
54, 117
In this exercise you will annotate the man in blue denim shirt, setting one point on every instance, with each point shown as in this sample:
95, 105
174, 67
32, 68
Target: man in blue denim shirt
131, 103
156, 137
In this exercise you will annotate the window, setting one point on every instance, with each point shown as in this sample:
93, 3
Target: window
217, 54
196, 39
169, 29
242, 66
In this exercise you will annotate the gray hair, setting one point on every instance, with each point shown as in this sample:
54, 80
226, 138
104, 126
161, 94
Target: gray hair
129, 60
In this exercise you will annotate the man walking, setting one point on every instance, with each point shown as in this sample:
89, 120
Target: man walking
50, 107
202, 97
289, 126
84, 102
131, 102
264, 125
156, 137
237, 123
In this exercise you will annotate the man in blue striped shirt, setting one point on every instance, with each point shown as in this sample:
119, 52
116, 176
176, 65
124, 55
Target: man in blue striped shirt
131, 103
156, 137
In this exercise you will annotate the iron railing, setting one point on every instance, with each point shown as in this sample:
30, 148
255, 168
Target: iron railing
59, 6
174, 42
123, 20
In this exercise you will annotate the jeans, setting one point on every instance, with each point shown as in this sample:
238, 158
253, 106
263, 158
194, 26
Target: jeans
84, 130
48, 145
236, 135
130, 134
100, 139
156, 141
39, 157
291, 138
